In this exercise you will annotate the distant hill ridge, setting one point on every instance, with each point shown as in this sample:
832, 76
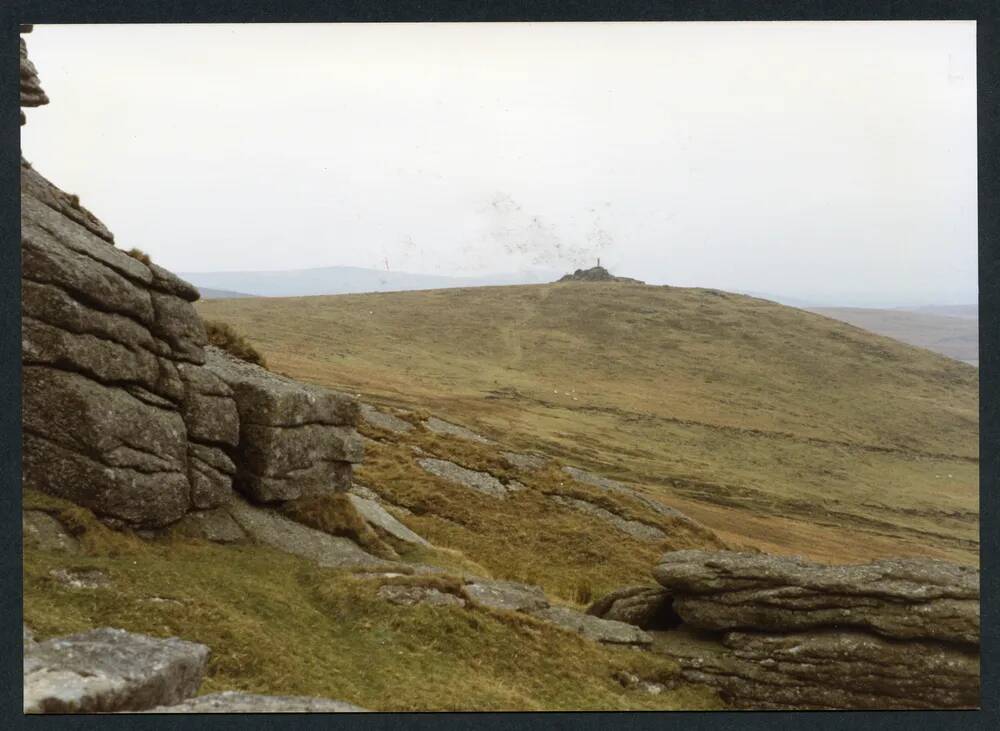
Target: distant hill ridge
346, 280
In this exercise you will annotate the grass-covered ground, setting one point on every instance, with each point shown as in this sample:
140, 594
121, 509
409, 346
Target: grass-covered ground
278, 624
776, 427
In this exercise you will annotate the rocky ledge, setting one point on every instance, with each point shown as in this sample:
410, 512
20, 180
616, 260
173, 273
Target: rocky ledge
899, 598
778, 632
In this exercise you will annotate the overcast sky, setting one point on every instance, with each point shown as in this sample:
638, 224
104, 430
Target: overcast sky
833, 162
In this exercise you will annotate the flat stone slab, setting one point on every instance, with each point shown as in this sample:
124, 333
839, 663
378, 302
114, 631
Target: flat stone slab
409, 596
440, 426
526, 462
379, 518
106, 670
637, 529
364, 491
480, 481
81, 578
232, 701
286, 535
594, 628
215, 525
384, 420
903, 598
40, 530
508, 595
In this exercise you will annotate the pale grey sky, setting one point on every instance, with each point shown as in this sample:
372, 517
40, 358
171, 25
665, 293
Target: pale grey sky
833, 162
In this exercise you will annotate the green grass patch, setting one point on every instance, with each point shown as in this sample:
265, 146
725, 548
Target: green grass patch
280, 625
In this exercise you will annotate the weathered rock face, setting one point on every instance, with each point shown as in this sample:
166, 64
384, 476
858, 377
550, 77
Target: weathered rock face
647, 607
903, 598
108, 420
480, 481
120, 412
294, 439
106, 670
901, 633
834, 670
31, 90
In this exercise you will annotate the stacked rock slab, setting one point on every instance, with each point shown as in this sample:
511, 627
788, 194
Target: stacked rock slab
113, 355
31, 90
900, 633
294, 439
120, 413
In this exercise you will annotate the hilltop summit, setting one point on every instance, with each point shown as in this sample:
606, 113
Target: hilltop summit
596, 274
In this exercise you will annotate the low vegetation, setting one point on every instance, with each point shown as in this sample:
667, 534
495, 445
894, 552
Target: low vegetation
140, 255
278, 624
525, 537
335, 514
224, 336
778, 428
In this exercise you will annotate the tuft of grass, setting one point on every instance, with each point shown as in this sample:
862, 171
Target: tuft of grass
222, 335
140, 255
334, 513
96, 539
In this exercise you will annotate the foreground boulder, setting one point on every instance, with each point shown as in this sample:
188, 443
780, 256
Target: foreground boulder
902, 598
238, 702
106, 670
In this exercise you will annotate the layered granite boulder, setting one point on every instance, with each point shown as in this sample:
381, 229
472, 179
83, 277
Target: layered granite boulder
898, 598
30, 88
121, 411
112, 354
789, 633
294, 439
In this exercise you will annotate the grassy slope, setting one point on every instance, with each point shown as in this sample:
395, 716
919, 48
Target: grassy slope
956, 337
278, 624
777, 427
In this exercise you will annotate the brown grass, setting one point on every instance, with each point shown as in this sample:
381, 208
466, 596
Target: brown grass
140, 255
334, 513
224, 336
730, 402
